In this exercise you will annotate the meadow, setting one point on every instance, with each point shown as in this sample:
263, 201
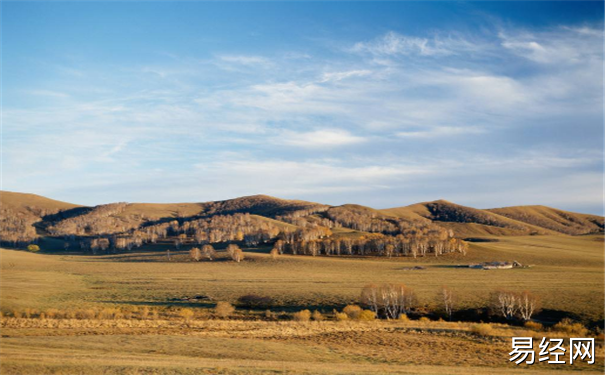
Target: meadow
565, 272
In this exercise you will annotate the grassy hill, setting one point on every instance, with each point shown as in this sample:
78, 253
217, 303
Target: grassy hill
29, 203
511, 221
553, 219
464, 221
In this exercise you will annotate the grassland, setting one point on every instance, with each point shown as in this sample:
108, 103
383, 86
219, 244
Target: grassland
566, 272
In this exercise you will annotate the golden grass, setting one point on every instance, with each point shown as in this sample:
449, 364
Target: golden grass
244, 347
134, 329
566, 273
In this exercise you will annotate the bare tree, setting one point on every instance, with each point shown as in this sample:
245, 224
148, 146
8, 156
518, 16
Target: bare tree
506, 303
390, 299
208, 252
369, 297
231, 249
196, 254
527, 305
238, 255
274, 253
448, 301
235, 253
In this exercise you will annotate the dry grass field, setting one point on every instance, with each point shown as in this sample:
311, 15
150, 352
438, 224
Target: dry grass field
566, 273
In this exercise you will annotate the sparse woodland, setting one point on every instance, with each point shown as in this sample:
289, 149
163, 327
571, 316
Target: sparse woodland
289, 227
300, 231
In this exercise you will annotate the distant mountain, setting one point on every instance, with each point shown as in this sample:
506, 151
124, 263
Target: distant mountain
464, 221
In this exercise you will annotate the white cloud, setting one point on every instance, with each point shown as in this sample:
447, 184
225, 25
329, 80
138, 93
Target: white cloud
564, 45
379, 120
249, 60
338, 76
318, 138
393, 43
440, 131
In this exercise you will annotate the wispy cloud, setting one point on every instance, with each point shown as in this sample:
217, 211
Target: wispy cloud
564, 45
390, 116
440, 131
393, 43
318, 138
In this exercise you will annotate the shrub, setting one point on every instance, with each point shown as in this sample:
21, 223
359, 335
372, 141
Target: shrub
404, 318
302, 316
352, 311
483, 329
33, 248
533, 325
340, 316
86, 314
186, 314
53, 313
317, 316
568, 326
367, 315
255, 301
424, 319
224, 309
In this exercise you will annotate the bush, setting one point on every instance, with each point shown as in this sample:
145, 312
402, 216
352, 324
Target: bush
404, 318
224, 309
255, 301
53, 314
533, 326
86, 314
352, 311
340, 316
186, 314
568, 326
33, 248
424, 319
367, 315
302, 316
482, 329
317, 316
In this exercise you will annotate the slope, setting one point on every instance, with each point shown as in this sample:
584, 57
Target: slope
553, 219
467, 221
32, 203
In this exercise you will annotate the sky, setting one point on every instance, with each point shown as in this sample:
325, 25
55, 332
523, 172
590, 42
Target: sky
486, 104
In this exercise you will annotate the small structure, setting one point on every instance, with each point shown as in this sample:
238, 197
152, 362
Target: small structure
497, 265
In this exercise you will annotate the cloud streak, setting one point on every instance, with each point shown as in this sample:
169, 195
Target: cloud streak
389, 118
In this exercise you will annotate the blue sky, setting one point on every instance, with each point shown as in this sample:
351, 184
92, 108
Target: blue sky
485, 104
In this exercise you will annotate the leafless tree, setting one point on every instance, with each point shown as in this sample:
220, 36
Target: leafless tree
527, 305
196, 254
448, 301
209, 252
506, 303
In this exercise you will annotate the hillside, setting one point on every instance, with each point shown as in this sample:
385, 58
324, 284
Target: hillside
467, 221
264, 219
32, 203
553, 219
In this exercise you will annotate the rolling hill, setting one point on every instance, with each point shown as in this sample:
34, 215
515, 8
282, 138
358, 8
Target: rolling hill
553, 219
467, 221
32, 203
464, 221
